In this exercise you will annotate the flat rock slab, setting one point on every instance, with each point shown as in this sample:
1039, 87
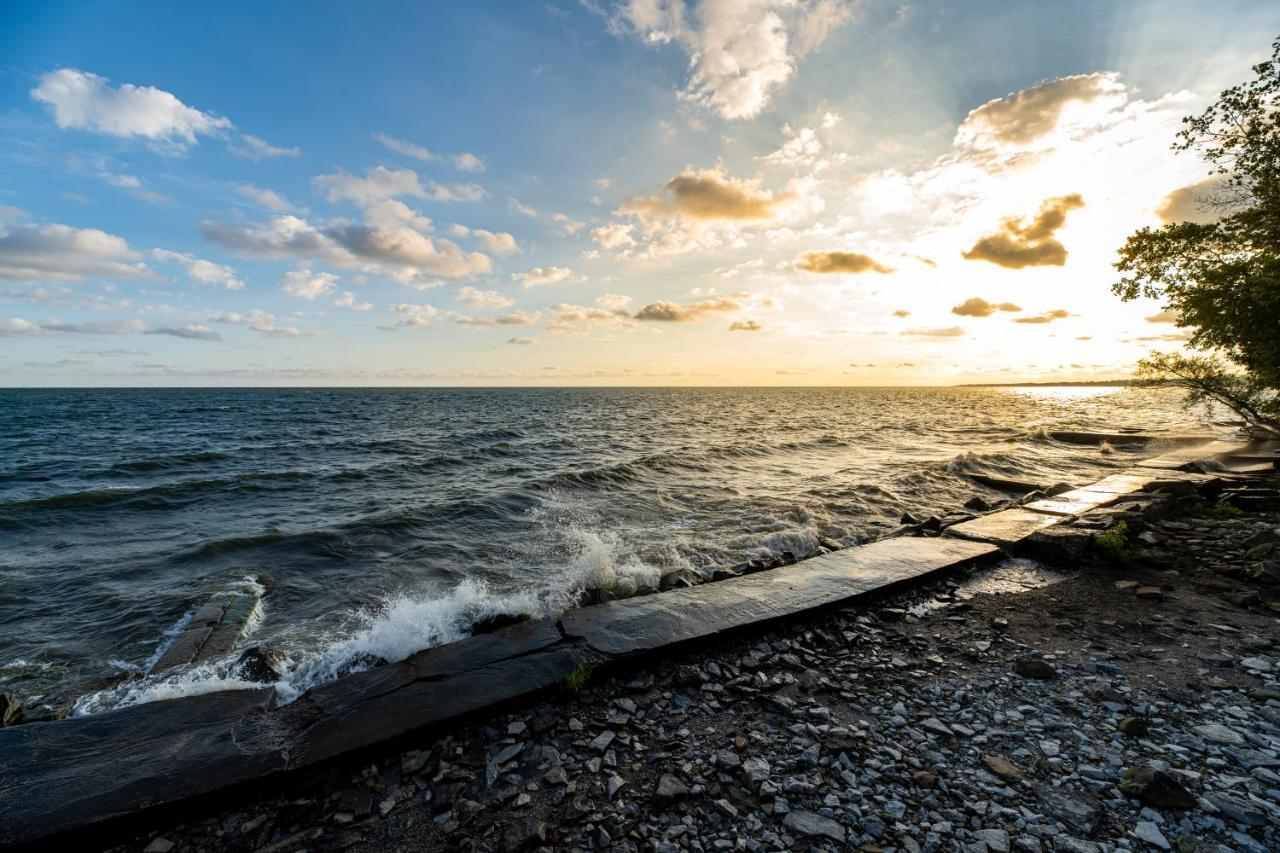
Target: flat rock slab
1004, 529
637, 625
69, 775
1073, 502
211, 632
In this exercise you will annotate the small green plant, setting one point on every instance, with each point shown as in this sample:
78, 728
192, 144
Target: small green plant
1113, 542
578, 677
1226, 509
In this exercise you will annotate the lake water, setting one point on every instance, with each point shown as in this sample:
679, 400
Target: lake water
380, 521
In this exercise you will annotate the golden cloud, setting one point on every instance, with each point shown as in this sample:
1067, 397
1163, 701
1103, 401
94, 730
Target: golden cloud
1030, 114
674, 312
1046, 317
1192, 203
745, 326
711, 195
948, 332
979, 307
839, 262
1020, 243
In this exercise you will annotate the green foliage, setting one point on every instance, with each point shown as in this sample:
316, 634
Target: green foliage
1226, 509
1221, 279
579, 676
1114, 542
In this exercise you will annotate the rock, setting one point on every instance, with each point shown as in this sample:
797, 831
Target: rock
1237, 810
755, 770
997, 840
679, 579
524, 834
1149, 593
1155, 788
924, 779
159, 844
670, 790
614, 785
1216, 733
1133, 726
1078, 811
10, 710
601, 742
977, 504
1033, 667
261, 664
908, 518
489, 624
1147, 831
810, 824
1002, 767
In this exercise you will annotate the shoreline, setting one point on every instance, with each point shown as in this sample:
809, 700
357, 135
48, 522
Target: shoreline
538, 655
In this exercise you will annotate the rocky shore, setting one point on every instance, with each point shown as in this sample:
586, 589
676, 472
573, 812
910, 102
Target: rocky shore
1133, 704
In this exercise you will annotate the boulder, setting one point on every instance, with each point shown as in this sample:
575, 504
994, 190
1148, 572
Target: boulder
813, 825
670, 790
680, 579
1033, 667
261, 664
489, 624
524, 834
1133, 726
10, 710
1079, 811
1155, 788
977, 504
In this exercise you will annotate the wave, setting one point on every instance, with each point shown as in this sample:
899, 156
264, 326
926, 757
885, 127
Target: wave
161, 463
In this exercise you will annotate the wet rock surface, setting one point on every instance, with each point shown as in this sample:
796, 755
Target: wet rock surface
888, 727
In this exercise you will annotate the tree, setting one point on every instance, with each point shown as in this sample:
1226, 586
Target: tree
1222, 279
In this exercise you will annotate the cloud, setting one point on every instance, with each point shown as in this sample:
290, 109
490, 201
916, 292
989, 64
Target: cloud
1020, 243
568, 226
500, 243
978, 307
673, 312
306, 284
517, 206
738, 49
390, 242
948, 332
269, 199
253, 148
347, 299
1046, 317
15, 326
408, 149
86, 101
483, 298
380, 183
202, 271
1031, 114
902, 312
579, 319
1194, 203
745, 326
1165, 316
468, 162
839, 262
615, 235
191, 331
261, 322
63, 253
613, 301
522, 341
542, 275
415, 316
713, 195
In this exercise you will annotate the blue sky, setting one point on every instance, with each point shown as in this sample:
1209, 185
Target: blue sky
726, 192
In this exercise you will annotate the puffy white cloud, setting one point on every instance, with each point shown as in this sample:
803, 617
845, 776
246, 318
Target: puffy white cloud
1022, 118
500, 243
468, 162
674, 312
253, 148
580, 320
615, 235
86, 101
712, 195
415, 316
306, 284
202, 271
62, 253
483, 298
347, 299
390, 242
738, 49
542, 275
613, 301
262, 323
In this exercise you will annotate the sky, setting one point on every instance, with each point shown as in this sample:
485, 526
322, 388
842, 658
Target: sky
653, 192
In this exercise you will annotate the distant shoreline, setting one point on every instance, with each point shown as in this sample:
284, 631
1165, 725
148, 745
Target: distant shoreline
1108, 383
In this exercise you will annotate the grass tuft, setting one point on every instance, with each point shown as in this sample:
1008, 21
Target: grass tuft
1113, 542
579, 676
